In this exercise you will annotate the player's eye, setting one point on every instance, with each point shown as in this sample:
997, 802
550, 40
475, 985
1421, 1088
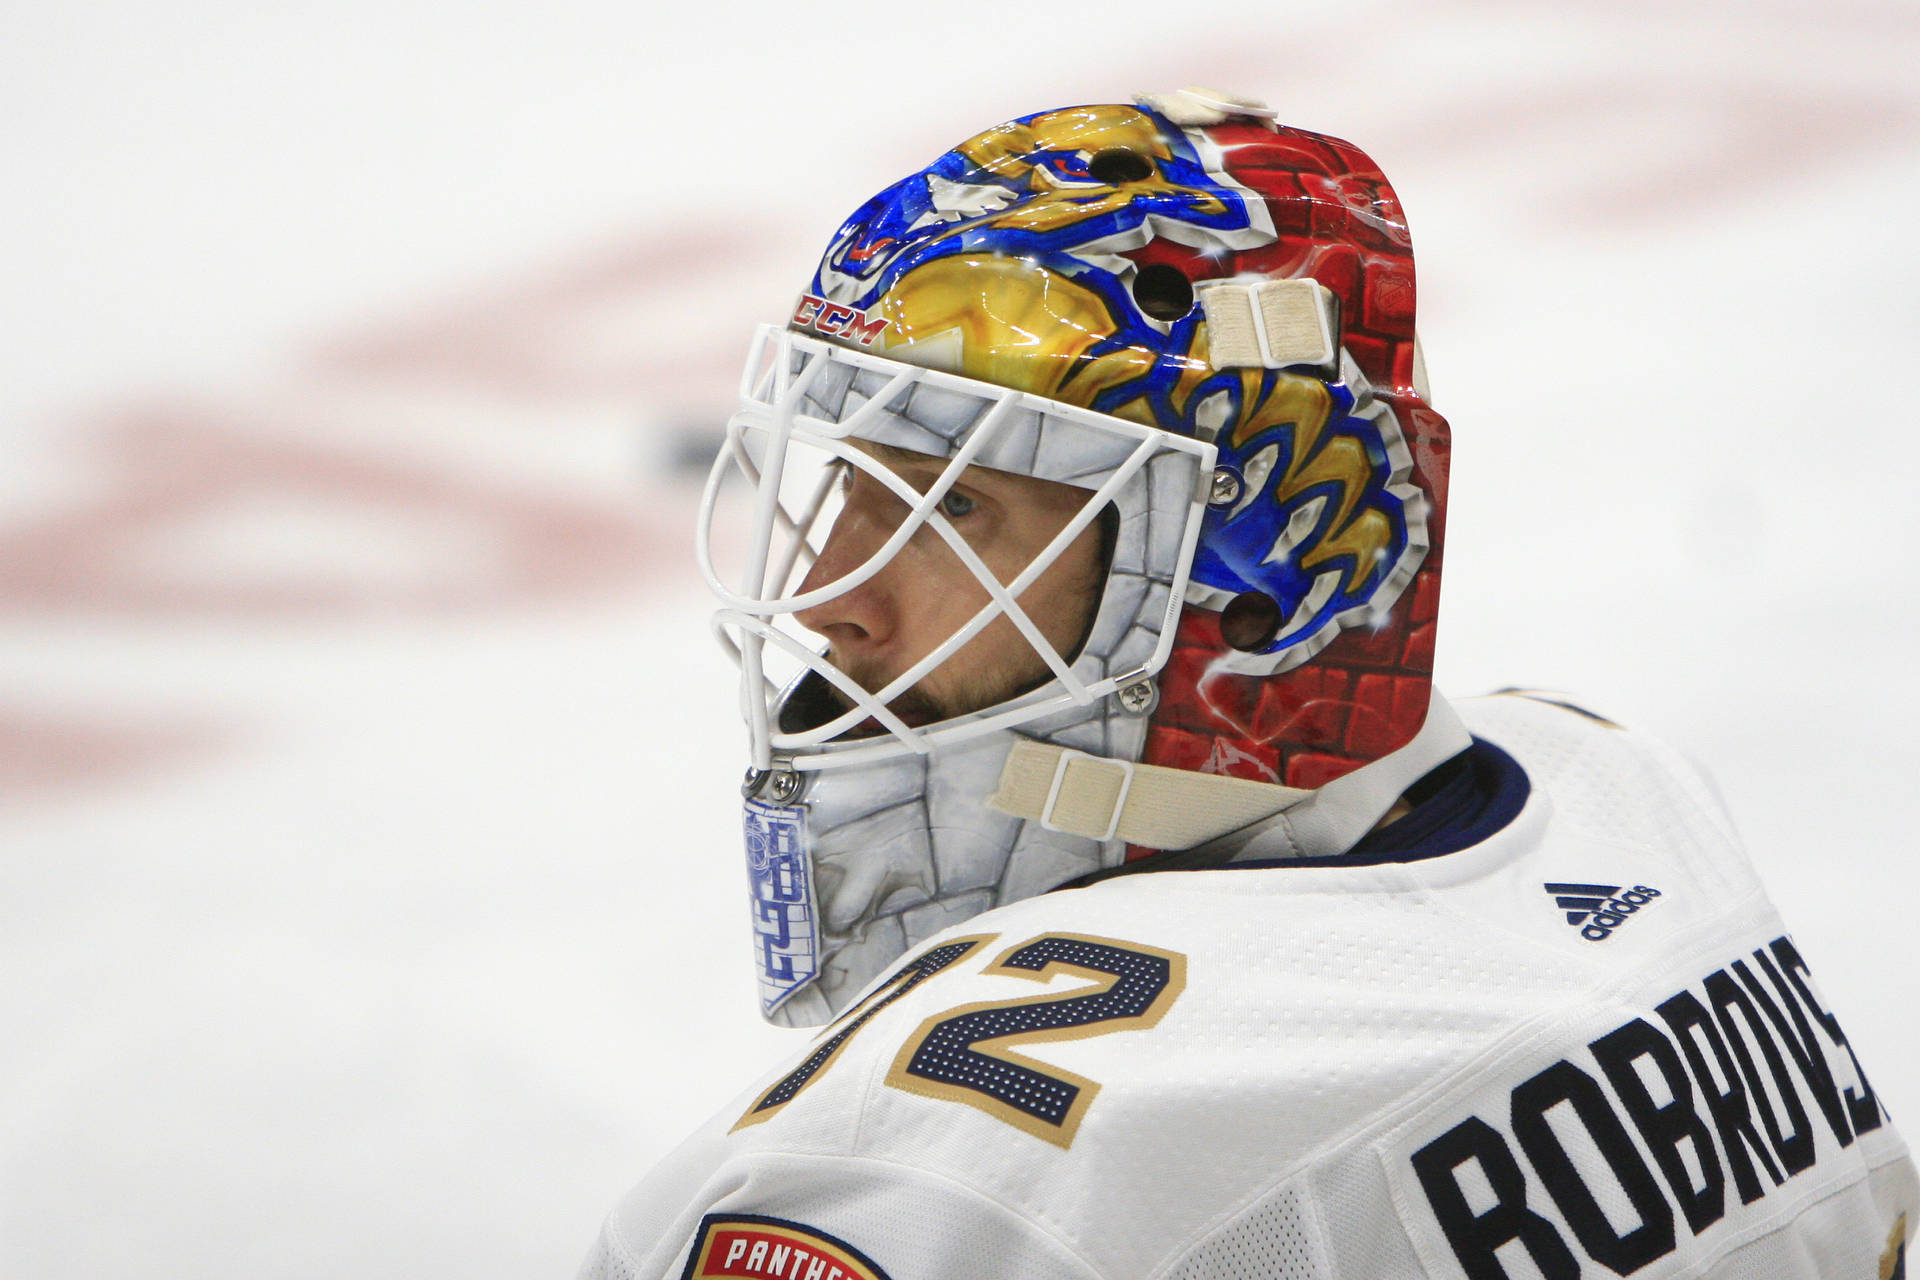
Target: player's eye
955, 505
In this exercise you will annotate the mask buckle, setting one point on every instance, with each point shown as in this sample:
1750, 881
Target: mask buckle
1085, 792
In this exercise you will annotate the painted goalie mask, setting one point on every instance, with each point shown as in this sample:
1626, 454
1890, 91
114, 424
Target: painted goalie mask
1171, 347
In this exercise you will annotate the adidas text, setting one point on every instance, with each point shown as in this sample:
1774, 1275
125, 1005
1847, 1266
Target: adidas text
1598, 909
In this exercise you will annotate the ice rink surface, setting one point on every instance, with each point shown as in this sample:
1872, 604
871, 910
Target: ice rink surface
370, 887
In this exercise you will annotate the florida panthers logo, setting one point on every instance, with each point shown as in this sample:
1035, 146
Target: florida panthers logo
1035, 189
1328, 522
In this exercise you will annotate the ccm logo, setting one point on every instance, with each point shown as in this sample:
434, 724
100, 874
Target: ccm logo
837, 321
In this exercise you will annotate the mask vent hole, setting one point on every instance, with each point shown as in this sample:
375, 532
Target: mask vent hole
1162, 291
1250, 621
1117, 166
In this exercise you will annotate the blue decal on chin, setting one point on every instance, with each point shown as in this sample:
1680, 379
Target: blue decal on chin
785, 918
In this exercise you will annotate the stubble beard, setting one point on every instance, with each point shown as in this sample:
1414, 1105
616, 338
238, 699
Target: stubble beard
925, 703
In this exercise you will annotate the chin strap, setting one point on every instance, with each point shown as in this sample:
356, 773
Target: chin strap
1145, 804
1161, 808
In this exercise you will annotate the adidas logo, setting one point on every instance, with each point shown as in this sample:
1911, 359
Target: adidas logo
1599, 909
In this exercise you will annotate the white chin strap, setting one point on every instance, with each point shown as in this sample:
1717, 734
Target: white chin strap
1161, 808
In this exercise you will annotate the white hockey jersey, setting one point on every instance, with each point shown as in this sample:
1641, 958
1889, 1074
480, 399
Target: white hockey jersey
1583, 1046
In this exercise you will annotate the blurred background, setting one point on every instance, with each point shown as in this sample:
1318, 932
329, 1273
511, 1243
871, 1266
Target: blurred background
370, 886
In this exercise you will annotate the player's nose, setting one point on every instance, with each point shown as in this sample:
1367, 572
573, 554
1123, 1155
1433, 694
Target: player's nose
865, 617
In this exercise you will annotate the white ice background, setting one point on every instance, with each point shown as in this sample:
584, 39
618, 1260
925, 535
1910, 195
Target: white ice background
371, 899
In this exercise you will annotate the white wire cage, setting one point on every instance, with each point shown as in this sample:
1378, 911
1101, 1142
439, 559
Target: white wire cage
806, 407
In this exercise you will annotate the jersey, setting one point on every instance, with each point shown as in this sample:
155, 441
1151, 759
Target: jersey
1585, 1044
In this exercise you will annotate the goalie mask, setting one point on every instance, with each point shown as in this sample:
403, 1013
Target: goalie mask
1087, 506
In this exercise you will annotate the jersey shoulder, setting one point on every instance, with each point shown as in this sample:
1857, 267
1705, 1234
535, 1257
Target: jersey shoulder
1608, 781
1256, 1038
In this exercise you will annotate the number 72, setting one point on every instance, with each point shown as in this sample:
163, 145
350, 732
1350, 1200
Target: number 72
967, 1054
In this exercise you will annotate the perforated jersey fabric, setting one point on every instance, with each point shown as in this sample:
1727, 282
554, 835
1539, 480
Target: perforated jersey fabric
1586, 1045
1273, 1237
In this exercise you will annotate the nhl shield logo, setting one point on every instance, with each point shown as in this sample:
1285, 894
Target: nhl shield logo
747, 1246
784, 915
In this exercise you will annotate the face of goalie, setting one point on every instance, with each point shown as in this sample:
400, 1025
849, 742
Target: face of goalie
925, 594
